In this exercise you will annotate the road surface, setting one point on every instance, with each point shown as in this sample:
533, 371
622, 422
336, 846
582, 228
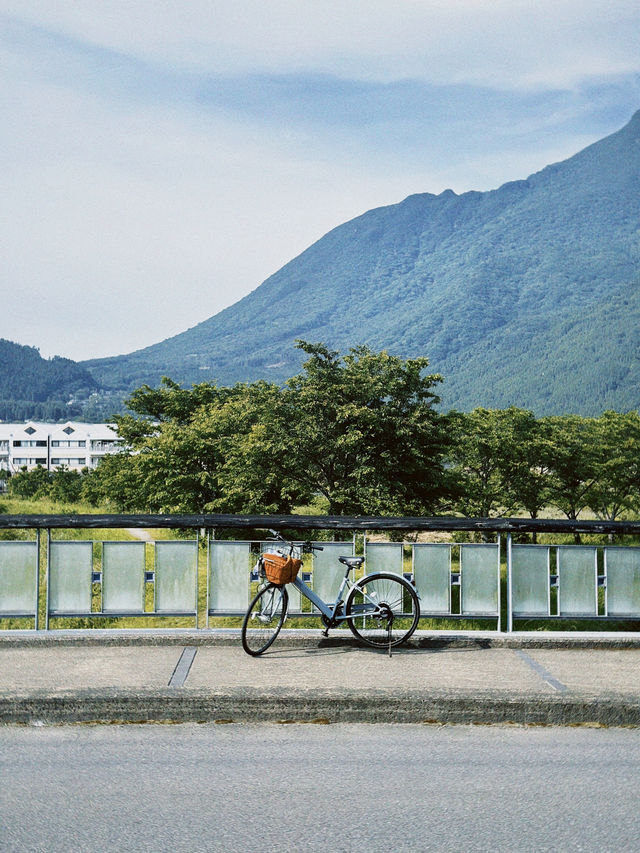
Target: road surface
271, 787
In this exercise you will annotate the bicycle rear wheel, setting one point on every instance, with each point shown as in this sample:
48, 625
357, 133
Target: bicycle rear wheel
387, 608
264, 618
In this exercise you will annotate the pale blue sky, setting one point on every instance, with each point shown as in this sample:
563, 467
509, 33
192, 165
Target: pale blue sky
160, 159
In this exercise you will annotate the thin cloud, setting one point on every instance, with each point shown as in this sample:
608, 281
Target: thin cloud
163, 159
505, 42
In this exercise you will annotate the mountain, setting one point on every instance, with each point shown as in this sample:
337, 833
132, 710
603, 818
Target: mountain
525, 295
34, 387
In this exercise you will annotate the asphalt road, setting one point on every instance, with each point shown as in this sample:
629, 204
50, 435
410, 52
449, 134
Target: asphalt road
340, 787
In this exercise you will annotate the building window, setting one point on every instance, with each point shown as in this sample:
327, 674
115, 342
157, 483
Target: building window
29, 430
68, 430
30, 443
68, 443
105, 443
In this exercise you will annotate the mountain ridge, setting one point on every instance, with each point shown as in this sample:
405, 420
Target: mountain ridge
488, 285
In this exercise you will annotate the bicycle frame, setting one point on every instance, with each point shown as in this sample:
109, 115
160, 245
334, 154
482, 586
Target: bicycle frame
381, 617
330, 610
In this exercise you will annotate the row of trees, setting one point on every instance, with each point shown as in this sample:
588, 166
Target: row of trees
509, 461
359, 434
61, 485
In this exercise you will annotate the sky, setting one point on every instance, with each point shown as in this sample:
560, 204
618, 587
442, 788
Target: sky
159, 159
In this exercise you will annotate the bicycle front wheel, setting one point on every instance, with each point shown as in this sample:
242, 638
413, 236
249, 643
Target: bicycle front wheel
264, 618
386, 610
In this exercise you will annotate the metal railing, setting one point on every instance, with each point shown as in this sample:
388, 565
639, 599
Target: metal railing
504, 581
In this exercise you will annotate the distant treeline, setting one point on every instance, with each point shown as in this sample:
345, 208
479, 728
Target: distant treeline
28, 377
55, 389
354, 434
55, 411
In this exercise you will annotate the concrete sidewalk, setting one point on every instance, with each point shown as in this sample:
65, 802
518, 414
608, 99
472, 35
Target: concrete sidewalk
180, 676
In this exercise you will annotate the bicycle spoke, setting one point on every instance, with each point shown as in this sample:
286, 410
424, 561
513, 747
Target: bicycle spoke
264, 619
388, 610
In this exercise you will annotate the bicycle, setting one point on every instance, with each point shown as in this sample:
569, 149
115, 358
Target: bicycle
381, 609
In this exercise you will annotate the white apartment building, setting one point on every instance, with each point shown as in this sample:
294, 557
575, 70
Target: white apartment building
74, 445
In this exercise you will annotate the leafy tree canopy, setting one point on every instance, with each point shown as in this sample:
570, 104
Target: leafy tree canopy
360, 430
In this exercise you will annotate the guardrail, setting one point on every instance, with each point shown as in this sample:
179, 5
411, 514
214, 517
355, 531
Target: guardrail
502, 581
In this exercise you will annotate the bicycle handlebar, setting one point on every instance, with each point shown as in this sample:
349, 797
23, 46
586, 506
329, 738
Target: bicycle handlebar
306, 546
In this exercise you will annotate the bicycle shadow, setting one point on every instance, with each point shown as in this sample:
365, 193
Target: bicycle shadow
348, 645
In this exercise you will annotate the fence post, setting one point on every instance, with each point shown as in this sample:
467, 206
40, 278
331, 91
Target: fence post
48, 561
509, 587
36, 622
499, 625
197, 573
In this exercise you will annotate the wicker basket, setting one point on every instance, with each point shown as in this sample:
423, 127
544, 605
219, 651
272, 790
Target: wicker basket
281, 570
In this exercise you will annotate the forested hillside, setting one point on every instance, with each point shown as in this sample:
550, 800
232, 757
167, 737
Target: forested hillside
38, 388
526, 295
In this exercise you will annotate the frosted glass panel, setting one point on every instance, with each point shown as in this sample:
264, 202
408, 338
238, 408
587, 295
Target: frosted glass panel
123, 577
229, 575
176, 569
577, 581
623, 581
328, 571
383, 557
18, 572
432, 576
70, 567
530, 582
295, 599
479, 572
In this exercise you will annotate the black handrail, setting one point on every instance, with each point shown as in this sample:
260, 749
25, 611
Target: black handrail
321, 522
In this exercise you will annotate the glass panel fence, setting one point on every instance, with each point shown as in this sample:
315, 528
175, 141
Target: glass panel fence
176, 572
18, 578
432, 577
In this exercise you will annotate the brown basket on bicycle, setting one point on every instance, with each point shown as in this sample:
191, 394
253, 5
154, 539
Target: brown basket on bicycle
281, 570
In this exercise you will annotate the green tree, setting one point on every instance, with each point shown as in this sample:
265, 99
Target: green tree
213, 452
117, 483
30, 484
573, 461
250, 436
482, 440
362, 431
525, 462
66, 485
171, 403
616, 487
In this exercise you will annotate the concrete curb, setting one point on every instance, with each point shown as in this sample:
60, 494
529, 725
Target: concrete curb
439, 707
304, 638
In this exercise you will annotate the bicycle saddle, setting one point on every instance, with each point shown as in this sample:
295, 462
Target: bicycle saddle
352, 562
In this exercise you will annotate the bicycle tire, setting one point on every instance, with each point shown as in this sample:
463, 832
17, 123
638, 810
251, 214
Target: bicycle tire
264, 619
394, 593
